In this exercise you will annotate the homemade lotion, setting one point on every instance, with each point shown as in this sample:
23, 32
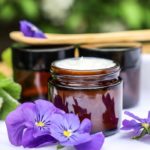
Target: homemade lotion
90, 88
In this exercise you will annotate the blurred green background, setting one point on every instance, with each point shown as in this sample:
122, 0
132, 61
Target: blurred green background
73, 16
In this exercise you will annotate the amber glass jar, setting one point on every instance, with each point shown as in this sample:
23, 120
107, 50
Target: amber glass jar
128, 55
31, 67
94, 94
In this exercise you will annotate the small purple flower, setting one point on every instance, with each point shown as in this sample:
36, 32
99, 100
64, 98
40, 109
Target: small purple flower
68, 130
29, 124
30, 30
140, 126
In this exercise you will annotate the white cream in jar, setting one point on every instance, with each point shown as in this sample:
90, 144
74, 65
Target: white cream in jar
85, 63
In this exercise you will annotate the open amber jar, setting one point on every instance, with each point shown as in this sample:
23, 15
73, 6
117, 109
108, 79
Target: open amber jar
90, 88
31, 67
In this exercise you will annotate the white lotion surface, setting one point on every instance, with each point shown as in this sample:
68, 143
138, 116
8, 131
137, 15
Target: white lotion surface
85, 63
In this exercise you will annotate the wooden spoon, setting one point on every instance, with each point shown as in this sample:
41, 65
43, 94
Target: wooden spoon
87, 38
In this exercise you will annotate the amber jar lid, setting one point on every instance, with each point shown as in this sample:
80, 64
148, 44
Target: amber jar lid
38, 58
126, 54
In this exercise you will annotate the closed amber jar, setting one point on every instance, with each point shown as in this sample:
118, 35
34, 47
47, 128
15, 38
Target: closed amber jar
31, 67
128, 55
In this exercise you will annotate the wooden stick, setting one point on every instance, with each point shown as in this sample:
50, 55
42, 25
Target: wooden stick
88, 38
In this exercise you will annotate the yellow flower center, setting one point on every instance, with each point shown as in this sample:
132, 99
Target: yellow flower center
40, 124
145, 125
67, 133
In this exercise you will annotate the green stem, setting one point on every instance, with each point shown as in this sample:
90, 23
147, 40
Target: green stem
143, 133
60, 147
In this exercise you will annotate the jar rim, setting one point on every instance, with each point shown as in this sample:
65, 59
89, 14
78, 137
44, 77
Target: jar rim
42, 48
120, 47
64, 71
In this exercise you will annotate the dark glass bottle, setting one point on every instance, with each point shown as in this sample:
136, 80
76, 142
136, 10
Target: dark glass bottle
128, 55
31, 67
93, 94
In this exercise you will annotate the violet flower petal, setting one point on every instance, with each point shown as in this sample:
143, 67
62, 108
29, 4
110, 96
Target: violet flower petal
59, 124
76, 139
148, 118
27, 116
44, 104
47, 106
86, 126
16, 124
130, 124
66, 121
30, 30
71, 123
139, 125
134, 116
44, 110
28, 109
30, 141
95, 144
136, 132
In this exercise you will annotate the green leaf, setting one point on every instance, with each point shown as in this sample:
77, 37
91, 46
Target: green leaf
4, 82
13, 89
1, 102
10, 86
6, 57
9, 103
9, 93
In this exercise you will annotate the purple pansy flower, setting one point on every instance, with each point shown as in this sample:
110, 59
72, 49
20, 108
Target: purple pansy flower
68, 130
140, 126
30, 30
29, 124
41, 123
